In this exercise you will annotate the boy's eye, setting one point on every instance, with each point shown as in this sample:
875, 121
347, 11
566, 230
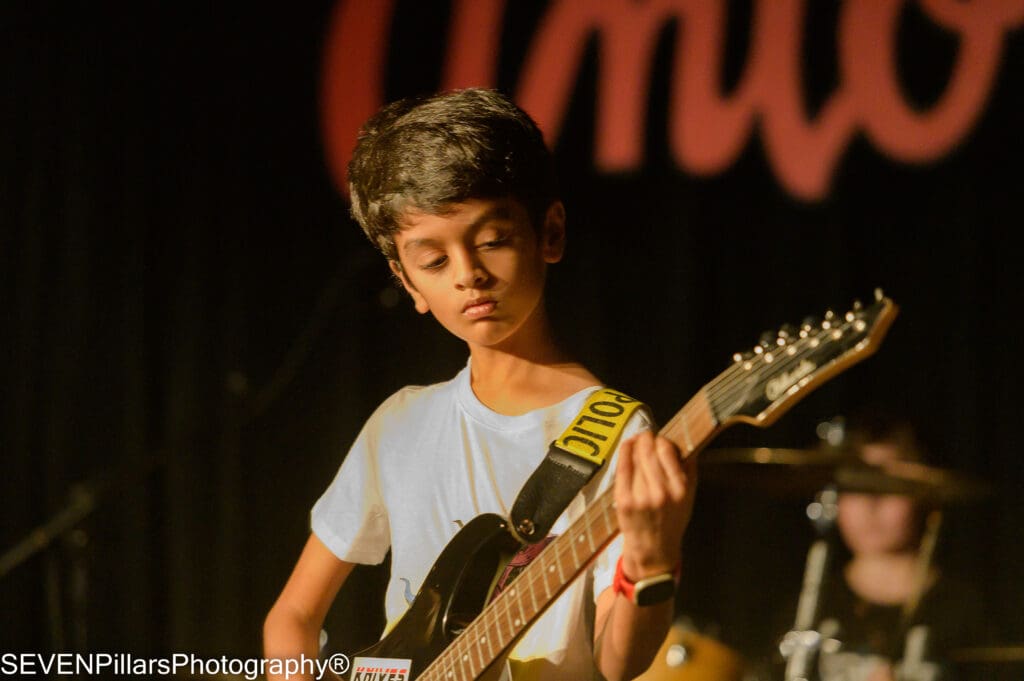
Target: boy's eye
494, 243
435, 264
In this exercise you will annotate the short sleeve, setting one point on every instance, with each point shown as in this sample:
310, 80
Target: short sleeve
604, 566
350, 517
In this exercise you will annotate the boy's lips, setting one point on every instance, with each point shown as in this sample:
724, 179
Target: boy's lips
479, 307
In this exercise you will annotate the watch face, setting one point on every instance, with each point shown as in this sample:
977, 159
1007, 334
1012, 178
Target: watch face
658, 592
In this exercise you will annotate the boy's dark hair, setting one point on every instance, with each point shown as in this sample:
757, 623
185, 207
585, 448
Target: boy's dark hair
426, 153
881, 425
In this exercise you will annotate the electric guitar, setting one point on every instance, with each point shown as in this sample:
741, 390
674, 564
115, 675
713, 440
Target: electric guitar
452, 633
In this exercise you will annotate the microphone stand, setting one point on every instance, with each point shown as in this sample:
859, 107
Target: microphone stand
800, 645
80, 504
65, 523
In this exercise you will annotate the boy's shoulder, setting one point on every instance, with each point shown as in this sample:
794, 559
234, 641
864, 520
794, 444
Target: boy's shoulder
414, 402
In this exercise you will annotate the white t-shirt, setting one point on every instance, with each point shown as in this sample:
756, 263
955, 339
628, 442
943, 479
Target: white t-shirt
429, 460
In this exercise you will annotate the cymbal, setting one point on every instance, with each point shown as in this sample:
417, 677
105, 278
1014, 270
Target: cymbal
1007, 653
927, 483
831, 456
804, 472
775, 471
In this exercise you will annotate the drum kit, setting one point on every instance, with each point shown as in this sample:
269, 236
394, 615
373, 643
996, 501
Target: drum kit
822, 474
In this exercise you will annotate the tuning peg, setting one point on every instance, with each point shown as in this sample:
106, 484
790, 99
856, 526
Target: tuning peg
829, 320
856, 311
807, 325
879, 295
787, 332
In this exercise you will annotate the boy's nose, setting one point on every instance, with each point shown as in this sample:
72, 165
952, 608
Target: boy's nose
471, 278
470, 274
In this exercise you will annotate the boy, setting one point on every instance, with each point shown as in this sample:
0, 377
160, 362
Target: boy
457, 190
889, 582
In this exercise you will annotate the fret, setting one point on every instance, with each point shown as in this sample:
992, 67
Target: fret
475, 646
572, 547
549, 572
686, 431
568, 553
467, 657
533, 598
455, 666
458, 654
590, 537
491, 632
517, 622
471, 663
466, 661
445, 670
610, 527
508, 616
558, 564
692, 425
485, 639
572, 563
495, 634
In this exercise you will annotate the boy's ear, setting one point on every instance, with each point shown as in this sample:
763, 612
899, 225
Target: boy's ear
552, 236
418, 300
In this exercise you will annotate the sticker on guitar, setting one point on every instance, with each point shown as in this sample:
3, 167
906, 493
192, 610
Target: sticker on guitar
380, 669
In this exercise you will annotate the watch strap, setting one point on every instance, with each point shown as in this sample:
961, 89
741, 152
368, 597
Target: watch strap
649, 590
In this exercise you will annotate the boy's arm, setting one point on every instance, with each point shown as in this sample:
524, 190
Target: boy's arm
654, 495
292, 627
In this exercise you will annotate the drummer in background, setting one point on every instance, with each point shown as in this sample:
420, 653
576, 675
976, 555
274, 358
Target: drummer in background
888, 583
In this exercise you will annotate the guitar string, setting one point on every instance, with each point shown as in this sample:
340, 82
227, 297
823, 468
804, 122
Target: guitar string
732, 389
823, 333
730, 386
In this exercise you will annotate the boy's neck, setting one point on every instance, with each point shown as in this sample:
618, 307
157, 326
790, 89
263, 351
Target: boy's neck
885, 578
516, 379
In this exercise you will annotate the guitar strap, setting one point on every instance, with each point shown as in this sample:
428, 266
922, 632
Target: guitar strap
571, 461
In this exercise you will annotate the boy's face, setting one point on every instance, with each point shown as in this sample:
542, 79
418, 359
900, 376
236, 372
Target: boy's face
878, 523
479, 267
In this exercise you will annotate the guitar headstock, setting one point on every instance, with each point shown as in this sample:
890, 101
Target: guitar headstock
766, 381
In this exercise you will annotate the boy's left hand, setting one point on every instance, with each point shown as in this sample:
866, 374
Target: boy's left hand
654, 493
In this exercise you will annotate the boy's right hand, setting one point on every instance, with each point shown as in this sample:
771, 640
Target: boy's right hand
654, 494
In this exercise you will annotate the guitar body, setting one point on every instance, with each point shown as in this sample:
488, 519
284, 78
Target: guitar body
454, 592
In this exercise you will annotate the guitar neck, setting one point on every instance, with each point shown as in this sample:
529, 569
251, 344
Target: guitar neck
504, 620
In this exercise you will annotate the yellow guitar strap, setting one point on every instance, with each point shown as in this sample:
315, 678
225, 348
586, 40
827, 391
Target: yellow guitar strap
595, 432
572, 460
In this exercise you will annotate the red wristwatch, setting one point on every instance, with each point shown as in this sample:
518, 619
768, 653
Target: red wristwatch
648, 591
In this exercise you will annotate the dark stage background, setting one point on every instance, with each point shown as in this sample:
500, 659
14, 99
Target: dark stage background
194, 329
